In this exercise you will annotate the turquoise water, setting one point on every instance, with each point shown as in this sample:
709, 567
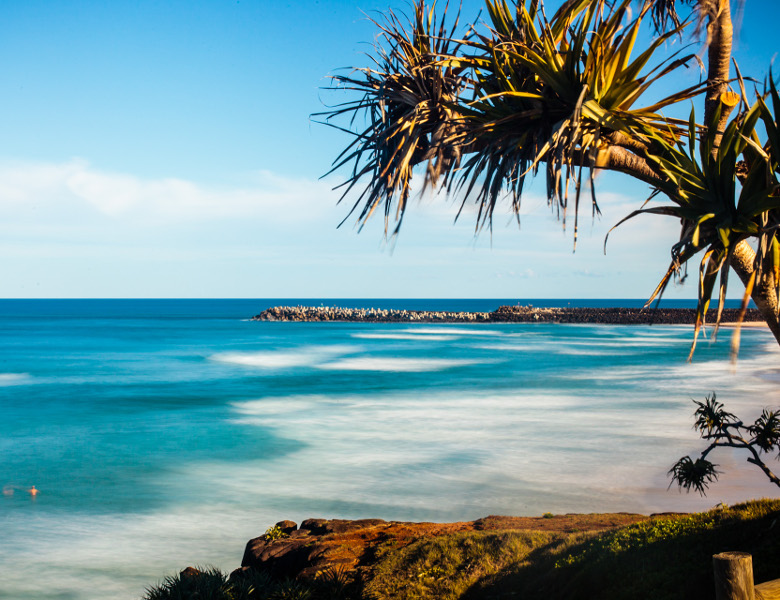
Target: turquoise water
167, 433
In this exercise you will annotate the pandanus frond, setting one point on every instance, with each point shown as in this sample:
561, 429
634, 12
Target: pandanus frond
482, 112
407, 100
552, 92
711, 416
696, 475
721, 201
766, 431
722, 429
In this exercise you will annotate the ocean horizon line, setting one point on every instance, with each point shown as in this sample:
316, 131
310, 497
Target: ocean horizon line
239, 308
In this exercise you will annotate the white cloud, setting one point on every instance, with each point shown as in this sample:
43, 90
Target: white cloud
72, 229
60, 188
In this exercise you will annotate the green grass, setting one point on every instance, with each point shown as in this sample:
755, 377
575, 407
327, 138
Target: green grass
666, 558
447, 566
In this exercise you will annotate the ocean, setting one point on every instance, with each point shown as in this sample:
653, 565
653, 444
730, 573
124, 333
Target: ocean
167, 433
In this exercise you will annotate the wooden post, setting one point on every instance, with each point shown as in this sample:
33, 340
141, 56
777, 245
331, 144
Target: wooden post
769, 590
733, 576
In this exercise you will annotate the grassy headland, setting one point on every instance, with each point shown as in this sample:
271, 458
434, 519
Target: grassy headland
547, 558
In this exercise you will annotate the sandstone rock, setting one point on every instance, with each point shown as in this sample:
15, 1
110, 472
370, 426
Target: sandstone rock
320, 545
287, 527
299, 533
283, 558
313, 525
309, 549
323, 526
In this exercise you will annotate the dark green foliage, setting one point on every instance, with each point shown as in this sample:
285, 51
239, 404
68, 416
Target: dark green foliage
292, 590
337, 584
208, 584
211, 584
711, 416
666, 558
476, 110
722, 428
669, 559
698, 474
766, 431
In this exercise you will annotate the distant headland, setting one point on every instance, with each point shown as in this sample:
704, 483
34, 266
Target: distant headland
503, 314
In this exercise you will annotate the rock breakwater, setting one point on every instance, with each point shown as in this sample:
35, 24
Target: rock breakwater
503, 314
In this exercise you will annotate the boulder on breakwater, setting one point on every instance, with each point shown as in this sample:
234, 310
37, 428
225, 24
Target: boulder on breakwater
503, 314
369, 315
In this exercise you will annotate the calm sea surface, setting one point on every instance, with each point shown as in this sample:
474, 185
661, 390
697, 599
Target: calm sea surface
166, 433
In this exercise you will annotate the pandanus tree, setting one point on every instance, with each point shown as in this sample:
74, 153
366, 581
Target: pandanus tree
476, 109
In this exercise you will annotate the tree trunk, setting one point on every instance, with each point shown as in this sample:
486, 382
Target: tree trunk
764, 292
720, 32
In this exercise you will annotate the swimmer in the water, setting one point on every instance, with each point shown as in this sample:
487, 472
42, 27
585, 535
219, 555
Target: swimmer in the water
33, 492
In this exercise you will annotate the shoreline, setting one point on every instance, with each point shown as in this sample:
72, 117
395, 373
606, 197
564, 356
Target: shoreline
507, 314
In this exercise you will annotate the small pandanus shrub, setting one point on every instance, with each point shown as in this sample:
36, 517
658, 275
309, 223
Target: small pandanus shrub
723, 429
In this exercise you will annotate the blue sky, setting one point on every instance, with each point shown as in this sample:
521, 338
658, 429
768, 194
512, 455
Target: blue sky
165, 149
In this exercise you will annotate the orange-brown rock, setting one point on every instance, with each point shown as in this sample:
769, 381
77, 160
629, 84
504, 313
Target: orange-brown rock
319, 544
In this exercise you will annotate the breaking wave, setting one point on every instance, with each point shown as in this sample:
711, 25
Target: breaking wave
401, 365
307, 356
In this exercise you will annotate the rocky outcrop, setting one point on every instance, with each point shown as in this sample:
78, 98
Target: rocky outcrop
321, 545
318, 545
504, 314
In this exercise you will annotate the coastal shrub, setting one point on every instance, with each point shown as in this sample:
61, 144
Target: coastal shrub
336, 583
274, 533
446, 566
665, 558
205, 583
253, 585
211, 584
722, 429
292, 590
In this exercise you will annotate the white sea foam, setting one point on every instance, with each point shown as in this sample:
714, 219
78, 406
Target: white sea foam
594, 435
500, 347
404, 336
534, 451
548, 347
395, 364
8, 379
307, 356
81, 557
453, 331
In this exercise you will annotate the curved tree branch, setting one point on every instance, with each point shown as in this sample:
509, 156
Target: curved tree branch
617, 158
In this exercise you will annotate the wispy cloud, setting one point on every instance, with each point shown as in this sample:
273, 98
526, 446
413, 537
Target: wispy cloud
41, 189
71, 228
